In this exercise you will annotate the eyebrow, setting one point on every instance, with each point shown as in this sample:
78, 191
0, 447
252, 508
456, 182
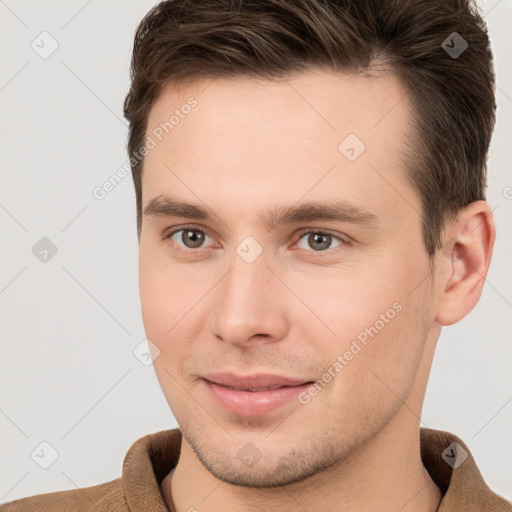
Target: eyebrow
341, 211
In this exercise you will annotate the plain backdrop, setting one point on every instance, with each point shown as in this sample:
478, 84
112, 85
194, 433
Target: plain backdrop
70, 325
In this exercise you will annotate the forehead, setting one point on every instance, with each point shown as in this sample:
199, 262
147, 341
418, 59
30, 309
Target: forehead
277, 141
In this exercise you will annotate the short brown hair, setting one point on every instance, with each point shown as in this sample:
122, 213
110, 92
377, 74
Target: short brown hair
453, 96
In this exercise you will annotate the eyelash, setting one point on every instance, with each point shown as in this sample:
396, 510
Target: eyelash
300, 234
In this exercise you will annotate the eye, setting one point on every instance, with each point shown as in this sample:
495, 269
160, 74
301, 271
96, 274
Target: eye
320, 241
191, 238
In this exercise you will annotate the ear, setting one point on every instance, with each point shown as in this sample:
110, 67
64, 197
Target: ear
464, 261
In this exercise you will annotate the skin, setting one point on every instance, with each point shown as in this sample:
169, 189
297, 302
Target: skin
252, 145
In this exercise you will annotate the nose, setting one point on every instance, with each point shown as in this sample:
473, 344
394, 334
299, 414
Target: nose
249, 305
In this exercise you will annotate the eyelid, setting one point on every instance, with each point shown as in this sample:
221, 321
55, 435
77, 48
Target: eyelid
341, 237
181, 227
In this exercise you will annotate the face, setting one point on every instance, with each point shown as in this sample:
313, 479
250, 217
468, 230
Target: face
281, 248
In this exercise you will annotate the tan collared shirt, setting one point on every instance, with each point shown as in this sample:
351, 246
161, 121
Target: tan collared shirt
152, 457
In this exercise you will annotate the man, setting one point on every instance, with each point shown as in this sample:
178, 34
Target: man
310, 181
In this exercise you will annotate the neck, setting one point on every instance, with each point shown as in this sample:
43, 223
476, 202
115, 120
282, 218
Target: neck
385, 474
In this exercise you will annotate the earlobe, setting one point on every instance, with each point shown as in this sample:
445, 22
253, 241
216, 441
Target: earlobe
465, 260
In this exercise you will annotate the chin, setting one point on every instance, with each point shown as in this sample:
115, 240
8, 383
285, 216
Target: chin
275, 465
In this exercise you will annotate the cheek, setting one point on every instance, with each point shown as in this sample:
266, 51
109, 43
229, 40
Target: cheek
153, 300
166, 292
380, 323
393, 356
347, 300
160, 295
379, 376
173, 301
165, 299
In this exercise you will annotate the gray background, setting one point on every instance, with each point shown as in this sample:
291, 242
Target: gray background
69, 376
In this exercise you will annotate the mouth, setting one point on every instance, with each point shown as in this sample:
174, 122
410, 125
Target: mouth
256, 389
253, 395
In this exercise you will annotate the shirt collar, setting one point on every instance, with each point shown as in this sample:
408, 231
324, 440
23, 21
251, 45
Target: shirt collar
445, 456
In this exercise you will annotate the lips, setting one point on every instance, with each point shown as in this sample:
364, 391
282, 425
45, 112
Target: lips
254, 395
259, 382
